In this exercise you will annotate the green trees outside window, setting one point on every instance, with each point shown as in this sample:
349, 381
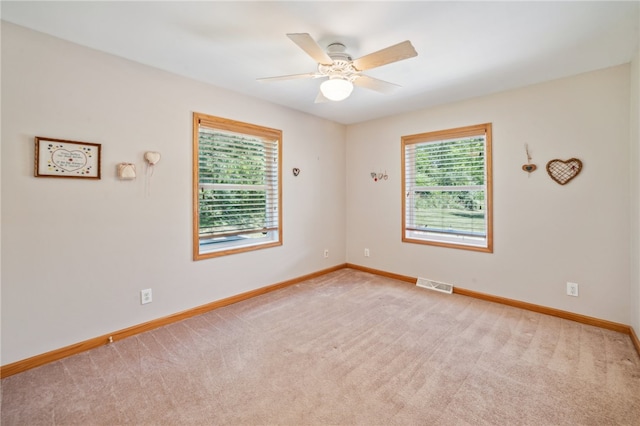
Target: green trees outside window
446, 186
236, 187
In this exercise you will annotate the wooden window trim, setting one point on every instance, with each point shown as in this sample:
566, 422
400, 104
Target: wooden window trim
242, 128
459, 132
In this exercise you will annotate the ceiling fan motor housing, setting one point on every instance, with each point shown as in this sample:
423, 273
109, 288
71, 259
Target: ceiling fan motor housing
342, 66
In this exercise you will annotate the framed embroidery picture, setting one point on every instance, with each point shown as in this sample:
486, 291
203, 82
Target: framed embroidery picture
66, 159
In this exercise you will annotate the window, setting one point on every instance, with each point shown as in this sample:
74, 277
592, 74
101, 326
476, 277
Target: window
236, 187
446, 188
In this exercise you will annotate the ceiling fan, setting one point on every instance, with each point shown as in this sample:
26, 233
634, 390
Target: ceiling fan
341, 71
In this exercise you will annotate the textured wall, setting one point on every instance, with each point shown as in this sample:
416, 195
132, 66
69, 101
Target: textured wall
76, 253
544, 234
635, 192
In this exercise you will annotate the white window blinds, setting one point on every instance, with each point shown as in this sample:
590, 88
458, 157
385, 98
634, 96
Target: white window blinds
238, 189
446, 187
238, 181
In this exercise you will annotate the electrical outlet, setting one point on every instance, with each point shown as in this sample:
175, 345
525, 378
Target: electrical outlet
145, 296
366, 252
572, 289
326, 252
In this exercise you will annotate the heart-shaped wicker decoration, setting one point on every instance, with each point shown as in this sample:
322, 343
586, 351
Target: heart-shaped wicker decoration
563, 171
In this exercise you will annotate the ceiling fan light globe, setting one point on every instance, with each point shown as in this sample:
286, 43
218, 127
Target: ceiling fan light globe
336, 89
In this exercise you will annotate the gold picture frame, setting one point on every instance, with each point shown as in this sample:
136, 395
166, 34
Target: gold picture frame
61, 158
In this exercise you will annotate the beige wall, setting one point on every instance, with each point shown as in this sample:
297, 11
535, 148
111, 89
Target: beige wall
544, 234
635, 192
76, 253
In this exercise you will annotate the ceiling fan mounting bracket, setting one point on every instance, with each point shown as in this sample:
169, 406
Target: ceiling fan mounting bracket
338, 52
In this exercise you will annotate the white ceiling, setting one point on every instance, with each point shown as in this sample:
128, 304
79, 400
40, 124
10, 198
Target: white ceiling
465, 49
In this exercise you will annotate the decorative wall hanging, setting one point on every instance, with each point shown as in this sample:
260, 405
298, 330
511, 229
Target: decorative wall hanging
296, 171
528, 167
563, 171
151, 158
126, 171
66, 159
379, 176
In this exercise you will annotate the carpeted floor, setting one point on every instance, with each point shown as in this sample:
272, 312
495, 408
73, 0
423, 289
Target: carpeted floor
345, 348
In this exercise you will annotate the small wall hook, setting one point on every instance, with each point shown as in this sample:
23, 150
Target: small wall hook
528, 167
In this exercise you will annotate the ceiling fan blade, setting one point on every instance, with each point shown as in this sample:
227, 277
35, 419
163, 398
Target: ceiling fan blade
313, 49
291, 77
375, 84
397, 52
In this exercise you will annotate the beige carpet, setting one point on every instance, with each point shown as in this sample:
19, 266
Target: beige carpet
345, 348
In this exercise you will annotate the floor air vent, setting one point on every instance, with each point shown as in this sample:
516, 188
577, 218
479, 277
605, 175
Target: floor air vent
435, 285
